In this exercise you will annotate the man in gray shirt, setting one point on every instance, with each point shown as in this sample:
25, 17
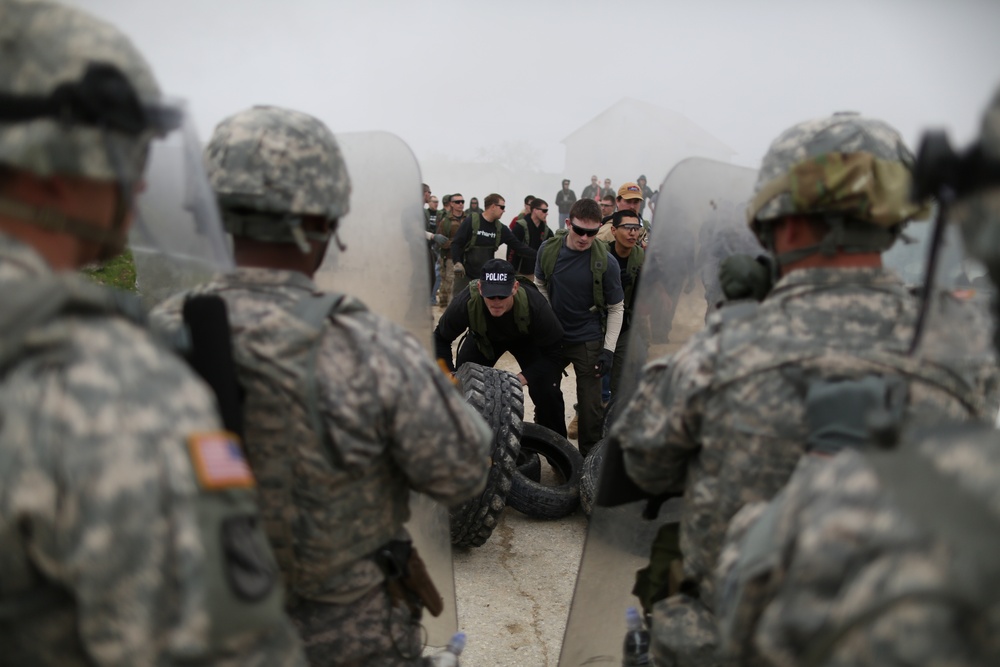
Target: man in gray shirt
573, 273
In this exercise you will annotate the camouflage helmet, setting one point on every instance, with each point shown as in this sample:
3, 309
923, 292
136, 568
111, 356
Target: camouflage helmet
844, 167
270, 166
77, 97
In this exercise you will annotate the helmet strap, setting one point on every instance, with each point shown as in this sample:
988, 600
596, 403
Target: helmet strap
845, 235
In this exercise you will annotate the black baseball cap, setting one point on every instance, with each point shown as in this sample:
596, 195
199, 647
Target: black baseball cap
497, 279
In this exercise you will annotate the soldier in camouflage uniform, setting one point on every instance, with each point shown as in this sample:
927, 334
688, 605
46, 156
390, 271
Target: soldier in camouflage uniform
345, 412
722, 420
880, 557
127, 516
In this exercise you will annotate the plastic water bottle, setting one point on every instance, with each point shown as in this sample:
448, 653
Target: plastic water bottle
449, 656
635, 651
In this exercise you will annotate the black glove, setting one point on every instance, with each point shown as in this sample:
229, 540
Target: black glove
604, 361
744, 277
440, 239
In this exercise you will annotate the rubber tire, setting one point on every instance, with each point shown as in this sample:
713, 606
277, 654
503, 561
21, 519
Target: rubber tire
497, 396
610, 414
548, 502
590, 476
529, 464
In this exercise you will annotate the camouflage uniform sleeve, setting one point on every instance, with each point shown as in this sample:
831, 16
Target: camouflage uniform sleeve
660, 428
386, 396
123, 524
438, 440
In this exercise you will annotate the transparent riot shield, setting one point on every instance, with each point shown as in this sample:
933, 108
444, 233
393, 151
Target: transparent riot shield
177, 239
384, 264
958, 320
699, 217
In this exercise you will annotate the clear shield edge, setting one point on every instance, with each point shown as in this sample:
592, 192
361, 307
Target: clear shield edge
177, 239
669, 309
385, 266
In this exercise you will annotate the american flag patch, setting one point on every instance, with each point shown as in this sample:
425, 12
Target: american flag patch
219, 461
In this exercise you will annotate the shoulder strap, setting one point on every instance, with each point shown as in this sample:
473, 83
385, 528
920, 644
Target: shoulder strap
499, 235
475, 232
477, 320
598, 264
551, 253
315, 310
522, 313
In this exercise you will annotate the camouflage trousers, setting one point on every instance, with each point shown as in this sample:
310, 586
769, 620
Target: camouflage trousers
370, 632
447, 280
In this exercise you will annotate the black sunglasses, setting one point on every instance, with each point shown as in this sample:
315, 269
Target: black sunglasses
583, 231
457, 201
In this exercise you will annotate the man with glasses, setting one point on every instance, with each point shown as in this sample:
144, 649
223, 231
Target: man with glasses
503, 317
630, 199
586, 294
534, 231
625, 249
525, 212
607, 190
447, 226
478, 238
607, 208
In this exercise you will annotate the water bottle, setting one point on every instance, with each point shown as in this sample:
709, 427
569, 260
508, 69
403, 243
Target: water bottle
635, 651
449, 656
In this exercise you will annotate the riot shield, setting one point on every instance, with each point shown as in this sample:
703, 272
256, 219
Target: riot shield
384, 264
177, 239
699, 217
957, 319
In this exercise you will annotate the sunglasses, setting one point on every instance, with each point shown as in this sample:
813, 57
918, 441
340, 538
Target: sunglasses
630, 228
543, 210
458, 201
503, 207
583, 231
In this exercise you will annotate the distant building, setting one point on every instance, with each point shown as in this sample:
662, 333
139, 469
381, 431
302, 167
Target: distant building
630, 138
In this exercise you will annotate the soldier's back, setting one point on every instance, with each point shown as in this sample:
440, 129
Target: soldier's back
106, 552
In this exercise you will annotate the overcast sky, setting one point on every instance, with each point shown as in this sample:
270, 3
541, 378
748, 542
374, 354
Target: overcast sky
452, 78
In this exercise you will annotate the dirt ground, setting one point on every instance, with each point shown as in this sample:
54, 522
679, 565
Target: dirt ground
514, 592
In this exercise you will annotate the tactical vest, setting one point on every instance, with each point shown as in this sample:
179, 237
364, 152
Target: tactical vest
632, 266
522, 222
598, 263
477, 255
444, 225
319, 515
477, 317
752, 351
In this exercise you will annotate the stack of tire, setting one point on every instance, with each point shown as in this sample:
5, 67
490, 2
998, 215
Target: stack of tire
515, 471
496, 395
532, 497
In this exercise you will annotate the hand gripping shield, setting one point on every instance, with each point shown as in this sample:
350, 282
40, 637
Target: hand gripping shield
177, 239
699, 210
384, 264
